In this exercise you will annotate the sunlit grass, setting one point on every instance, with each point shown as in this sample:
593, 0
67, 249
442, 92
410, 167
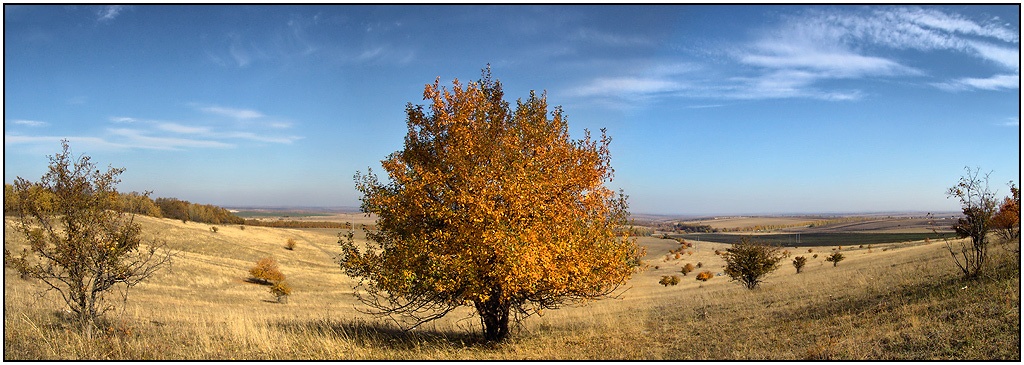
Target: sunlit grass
906, 302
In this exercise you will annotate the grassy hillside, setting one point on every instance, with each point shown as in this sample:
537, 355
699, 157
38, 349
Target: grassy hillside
898, 301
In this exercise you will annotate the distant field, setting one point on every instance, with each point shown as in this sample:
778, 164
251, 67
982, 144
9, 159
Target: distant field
262, 214
739, 222
816, 239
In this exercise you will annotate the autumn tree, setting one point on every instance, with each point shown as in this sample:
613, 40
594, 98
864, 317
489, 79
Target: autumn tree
835, 257
748, 261
1007, 220
492, 208
266, 272
978, 204
82, 243
799, 263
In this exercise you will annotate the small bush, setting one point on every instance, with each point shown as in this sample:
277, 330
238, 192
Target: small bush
214, 229
688, 268
281, 290
241, 227
700, 265
678, 255
718, 253
815, 255
749, 261
669, 280
689, 253
835, 258
810, 250
705, 276
799, 263
266, 272
290, 244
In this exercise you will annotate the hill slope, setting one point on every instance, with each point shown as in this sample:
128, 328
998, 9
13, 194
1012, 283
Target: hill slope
896, 301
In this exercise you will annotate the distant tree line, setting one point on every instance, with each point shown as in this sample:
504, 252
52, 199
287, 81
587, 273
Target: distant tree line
142, 204
203, 213
684, 228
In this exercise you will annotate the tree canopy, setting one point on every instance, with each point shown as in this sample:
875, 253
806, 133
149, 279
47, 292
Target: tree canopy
492, 208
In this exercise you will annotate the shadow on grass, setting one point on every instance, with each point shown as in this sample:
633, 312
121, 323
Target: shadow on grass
370, 333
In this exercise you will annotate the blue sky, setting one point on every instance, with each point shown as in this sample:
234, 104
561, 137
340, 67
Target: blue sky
721, 109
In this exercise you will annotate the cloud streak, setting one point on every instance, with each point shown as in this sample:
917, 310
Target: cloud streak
240, 114
109, 12
820, 53
136, 133
31, 123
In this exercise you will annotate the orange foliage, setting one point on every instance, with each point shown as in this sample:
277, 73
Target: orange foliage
705, 276
266, 271
494, 208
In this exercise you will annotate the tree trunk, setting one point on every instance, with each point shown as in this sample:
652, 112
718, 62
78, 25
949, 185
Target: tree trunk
494, 314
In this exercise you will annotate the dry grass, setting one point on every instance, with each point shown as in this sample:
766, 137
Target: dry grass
906, 302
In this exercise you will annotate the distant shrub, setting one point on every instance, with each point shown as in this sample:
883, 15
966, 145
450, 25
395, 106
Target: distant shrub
266, 272
835, 258
840, 248
809, 250
718, 252
748, 261
705, 276
656, 267
678, 255
242, 227
688, 268
214, 229
689, 253
290, 244
861, 246
799, 263
669, 280
281, 290
815, 255
700, 265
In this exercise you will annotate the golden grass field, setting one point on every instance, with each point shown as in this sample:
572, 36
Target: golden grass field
898, 301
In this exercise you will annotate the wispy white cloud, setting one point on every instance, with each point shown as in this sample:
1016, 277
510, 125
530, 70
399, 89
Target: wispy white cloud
109, 12
608, 38
255, 137
31, 123
183, 129
232, 113
1011, 122
627, 87
826, 54
125, 132
997, 82
78, 141
1004, 56
139, 139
